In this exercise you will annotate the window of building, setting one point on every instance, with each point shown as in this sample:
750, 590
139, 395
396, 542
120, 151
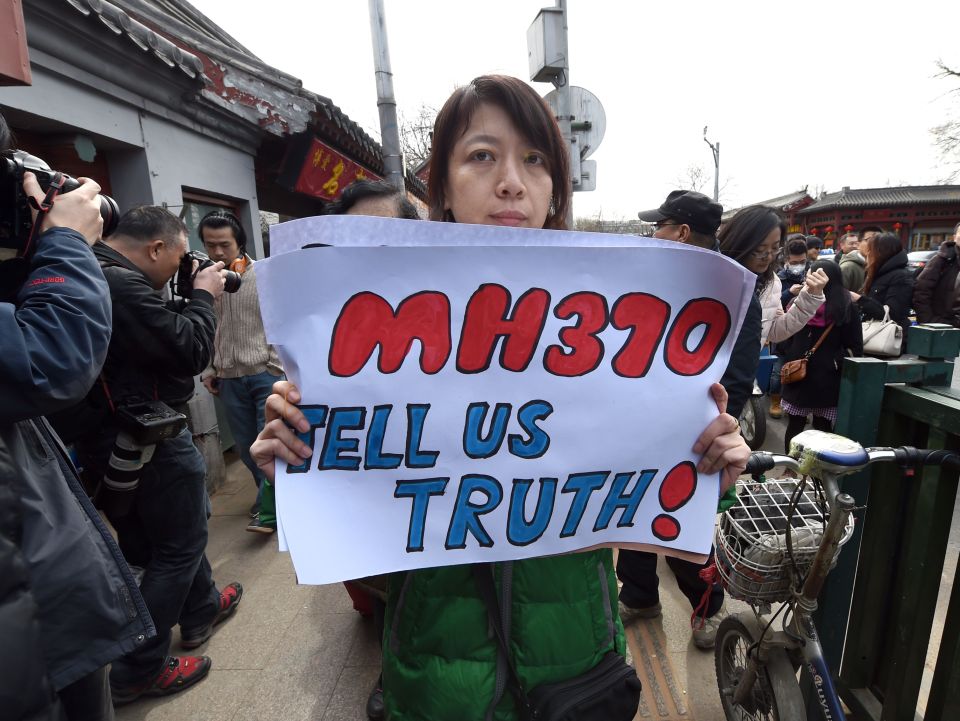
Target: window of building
197, 205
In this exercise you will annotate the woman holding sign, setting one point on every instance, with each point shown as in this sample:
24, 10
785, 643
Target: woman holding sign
499, 159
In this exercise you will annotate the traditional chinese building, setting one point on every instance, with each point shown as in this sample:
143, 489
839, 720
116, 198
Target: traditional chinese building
923, 216
790, 205
161, 106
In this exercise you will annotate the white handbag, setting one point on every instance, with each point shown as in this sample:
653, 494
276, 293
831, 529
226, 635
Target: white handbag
882, 337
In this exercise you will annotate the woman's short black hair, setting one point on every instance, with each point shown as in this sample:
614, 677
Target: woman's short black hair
224, 219
364, 189
531, 116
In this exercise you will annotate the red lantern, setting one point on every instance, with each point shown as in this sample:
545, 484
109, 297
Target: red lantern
814, 231
897, 226
847, 228
829, 229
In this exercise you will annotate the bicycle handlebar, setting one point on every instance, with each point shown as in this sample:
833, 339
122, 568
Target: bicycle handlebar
906, 456
915, 457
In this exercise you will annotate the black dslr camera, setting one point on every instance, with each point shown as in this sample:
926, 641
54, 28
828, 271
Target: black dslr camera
142, 426
15, 218
182, 283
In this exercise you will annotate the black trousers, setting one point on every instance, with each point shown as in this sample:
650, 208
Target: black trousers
88, 699
637, 570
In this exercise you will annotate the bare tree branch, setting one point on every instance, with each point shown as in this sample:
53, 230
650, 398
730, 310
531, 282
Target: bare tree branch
416, 135
946, 136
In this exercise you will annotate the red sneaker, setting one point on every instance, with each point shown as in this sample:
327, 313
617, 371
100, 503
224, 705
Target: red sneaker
178, 673
229, 598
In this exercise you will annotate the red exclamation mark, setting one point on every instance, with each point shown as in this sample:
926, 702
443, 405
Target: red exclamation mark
675, 491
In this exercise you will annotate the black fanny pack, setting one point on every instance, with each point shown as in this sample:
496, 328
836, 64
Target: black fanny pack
610, 691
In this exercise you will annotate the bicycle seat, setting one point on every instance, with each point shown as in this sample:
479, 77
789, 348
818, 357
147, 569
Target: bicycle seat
820, 451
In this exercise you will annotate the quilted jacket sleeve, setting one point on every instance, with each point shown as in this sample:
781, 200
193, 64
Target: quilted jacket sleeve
54, 336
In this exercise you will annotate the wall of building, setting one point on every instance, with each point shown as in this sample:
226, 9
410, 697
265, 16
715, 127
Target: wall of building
151, 158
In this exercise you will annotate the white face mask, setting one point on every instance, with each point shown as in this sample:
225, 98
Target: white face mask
796, 267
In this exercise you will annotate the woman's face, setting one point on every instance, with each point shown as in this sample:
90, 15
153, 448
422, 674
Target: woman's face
496, 176
764, 254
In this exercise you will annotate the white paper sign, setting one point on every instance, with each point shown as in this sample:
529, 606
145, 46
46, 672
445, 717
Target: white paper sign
484, 401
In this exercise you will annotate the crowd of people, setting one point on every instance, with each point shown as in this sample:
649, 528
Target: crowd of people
124, 348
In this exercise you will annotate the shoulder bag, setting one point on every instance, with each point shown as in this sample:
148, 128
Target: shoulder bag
882, 337
610, 691
796, 370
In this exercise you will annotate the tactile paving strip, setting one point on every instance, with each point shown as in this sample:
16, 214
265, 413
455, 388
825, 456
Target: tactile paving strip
663, 698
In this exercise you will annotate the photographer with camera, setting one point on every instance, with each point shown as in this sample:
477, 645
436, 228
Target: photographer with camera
153, 488
69, 604
245, 366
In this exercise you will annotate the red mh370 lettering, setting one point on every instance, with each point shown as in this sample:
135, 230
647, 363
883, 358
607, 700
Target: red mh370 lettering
367, 321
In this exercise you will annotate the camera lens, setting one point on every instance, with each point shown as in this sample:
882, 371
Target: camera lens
231, 282
110, 212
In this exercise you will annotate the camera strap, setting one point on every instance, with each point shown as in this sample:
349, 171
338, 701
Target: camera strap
42, 208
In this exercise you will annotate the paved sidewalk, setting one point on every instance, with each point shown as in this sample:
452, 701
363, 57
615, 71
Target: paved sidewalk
301, 653
290, 653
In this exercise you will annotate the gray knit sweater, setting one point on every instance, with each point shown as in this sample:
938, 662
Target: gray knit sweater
240, 347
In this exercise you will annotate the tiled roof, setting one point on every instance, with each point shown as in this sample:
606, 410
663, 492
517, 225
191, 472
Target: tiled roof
120, 23
782, 202
241, 83
885, 197
182, 37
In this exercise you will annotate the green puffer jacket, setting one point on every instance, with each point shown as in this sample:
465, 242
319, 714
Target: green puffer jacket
440, 656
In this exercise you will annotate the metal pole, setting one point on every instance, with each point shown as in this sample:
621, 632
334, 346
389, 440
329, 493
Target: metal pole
716, 172
386, 103
562, 83
715, 149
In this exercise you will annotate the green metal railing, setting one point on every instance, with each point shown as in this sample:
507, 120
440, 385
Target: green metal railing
877, 609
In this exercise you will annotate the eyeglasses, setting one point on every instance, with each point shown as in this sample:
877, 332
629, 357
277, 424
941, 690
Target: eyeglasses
665, 224
760, 254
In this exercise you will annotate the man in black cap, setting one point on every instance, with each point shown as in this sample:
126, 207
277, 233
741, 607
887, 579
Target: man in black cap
687, 217
692, 218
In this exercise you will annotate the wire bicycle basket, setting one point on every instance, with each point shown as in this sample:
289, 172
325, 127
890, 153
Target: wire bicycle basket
752, 556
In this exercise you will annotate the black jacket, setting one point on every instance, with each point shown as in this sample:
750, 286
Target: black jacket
892, 287
789, 279
742, 369
68, 602
934, 292
157, 346
821, 387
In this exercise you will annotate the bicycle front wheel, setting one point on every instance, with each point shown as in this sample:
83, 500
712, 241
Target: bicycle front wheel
775, 695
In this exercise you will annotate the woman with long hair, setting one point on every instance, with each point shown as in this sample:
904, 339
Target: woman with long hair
837, 323
753, 237
888, 282
498, 159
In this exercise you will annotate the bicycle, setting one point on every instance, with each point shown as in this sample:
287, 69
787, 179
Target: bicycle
777, 545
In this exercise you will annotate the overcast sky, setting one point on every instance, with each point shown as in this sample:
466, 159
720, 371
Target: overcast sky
818, 94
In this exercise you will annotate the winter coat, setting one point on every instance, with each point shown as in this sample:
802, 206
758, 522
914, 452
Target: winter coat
821, 387
741, 369
68, 601
779, 325
789, 278
440, 660
893, 287
934, 291
853, 267
157, 347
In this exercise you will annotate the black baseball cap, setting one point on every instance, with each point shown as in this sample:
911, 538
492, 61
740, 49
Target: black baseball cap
690, 207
